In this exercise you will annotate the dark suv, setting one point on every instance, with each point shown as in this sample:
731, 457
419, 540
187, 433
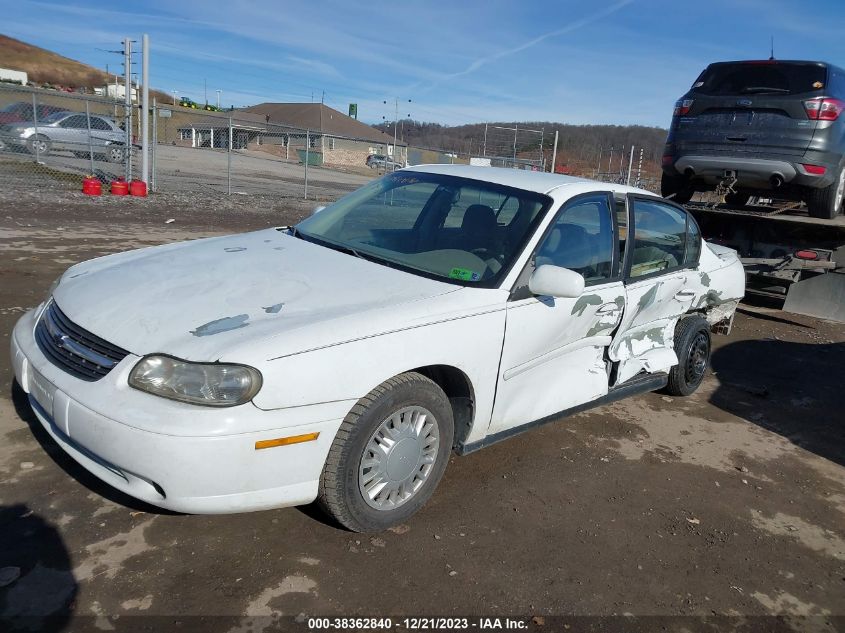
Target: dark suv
764, 127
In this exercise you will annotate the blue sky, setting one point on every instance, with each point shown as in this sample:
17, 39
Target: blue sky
461, 61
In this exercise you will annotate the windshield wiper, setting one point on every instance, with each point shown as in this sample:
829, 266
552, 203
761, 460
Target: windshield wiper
762, 89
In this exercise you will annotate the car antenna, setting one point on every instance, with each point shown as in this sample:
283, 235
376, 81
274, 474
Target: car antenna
772, 55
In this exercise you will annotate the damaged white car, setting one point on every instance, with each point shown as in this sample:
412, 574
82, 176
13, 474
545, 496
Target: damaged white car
439, 308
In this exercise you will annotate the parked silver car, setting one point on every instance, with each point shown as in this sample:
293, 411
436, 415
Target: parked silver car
67, 131
380, 161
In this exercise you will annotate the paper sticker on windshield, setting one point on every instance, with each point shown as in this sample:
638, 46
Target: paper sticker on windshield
464, 274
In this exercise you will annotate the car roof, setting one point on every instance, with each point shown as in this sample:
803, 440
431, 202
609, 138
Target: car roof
537, 181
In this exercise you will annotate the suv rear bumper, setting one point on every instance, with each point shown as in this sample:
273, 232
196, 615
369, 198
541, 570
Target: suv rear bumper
757, 173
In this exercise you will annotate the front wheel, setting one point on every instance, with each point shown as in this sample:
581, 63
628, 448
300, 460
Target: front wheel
826, 203
388, 455
39, 145
692, 345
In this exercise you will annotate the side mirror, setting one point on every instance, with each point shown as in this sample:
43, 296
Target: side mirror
317, 209
554, 281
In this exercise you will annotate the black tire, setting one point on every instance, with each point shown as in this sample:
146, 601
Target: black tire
826, 203
692, 345
676, 188
43, 142
738, 198
340, 494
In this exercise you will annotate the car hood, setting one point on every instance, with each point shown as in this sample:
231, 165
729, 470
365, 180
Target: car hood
201, 300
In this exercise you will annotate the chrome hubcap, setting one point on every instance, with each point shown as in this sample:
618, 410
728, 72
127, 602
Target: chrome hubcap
398, 458
697, 360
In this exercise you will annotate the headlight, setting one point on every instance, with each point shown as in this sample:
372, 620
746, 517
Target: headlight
210, 384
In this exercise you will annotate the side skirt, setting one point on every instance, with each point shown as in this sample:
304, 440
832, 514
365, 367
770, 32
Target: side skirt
651, 382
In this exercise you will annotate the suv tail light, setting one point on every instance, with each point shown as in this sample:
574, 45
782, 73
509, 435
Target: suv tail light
682, 107
824, 108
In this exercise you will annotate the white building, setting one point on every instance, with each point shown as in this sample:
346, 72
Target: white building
7, 74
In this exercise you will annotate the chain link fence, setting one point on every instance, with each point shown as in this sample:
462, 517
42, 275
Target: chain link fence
54, 139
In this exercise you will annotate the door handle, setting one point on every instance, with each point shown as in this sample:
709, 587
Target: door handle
683, 295
608, 308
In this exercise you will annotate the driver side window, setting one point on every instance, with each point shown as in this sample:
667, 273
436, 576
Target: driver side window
581, 239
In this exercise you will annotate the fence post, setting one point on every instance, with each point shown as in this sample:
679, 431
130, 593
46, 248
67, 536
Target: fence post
630, 164
229, 160
154, 148
90, 146
35, 125
554, 154
639, 168
127, 105
307, 147
145, 108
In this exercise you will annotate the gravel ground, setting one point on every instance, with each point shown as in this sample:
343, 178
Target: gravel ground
721, 511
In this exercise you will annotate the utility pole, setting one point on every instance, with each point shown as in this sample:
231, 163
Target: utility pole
205, 89
630, 165
145, 110
218, 98
396, 130
175, 92
554, 153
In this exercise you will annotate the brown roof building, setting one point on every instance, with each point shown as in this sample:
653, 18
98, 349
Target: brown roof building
320, 118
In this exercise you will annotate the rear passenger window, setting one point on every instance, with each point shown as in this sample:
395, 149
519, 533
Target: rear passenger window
660, 236
581, 239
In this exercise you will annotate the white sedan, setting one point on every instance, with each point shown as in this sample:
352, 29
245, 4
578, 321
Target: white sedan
438, 308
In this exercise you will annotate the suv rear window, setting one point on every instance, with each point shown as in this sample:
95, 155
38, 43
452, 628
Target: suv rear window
747, 78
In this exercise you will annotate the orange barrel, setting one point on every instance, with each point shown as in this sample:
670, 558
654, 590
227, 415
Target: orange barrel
119, 187
138, 188
92, 186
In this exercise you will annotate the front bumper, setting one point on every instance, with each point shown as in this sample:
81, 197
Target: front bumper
174, 468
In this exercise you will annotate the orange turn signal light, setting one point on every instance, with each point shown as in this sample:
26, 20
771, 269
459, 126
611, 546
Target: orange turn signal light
285, 441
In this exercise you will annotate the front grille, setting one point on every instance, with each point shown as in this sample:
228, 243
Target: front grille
73, 348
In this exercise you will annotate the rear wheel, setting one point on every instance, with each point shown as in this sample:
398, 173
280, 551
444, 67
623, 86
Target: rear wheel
692, 345
115, 153
388, 455
826, 203
676, 188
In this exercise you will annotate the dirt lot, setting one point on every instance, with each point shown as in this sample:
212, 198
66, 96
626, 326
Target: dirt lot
723, 505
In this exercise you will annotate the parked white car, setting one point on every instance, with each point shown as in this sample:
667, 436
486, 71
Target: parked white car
438, 308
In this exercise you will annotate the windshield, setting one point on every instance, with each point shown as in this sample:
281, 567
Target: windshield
748, 78
465, 231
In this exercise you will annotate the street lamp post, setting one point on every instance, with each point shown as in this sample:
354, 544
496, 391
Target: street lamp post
218, 98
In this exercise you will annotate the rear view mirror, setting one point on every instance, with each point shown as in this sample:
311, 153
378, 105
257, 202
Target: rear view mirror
554, 281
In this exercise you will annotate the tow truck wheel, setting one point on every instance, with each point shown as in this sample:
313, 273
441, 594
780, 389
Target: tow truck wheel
826, 203
676, 188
